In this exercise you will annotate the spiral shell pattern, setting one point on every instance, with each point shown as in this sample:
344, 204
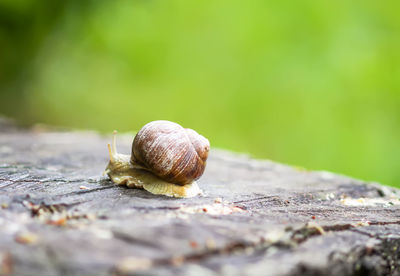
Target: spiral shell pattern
171, 152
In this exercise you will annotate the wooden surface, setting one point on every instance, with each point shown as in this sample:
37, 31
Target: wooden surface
60, 216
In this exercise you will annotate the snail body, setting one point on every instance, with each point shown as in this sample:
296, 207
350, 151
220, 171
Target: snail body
166, 159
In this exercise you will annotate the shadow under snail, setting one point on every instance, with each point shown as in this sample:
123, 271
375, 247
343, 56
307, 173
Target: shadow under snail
166, 159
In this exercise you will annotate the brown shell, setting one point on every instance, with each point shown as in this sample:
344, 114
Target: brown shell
171, 152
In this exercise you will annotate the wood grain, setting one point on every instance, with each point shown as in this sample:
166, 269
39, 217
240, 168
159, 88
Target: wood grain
60, 216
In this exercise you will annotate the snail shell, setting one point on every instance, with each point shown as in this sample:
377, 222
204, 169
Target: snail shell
171, 152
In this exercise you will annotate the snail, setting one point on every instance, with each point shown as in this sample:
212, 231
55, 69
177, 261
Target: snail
166, 159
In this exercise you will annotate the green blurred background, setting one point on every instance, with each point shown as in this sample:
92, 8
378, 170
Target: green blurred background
312, 83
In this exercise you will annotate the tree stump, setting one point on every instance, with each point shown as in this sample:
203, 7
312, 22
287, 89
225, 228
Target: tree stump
60, 216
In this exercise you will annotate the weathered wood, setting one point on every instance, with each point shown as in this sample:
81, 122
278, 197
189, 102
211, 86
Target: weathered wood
60, 216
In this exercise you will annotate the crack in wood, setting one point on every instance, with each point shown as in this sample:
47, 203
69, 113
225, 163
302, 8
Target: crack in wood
133, 240
47, 180
88, 190
256, 199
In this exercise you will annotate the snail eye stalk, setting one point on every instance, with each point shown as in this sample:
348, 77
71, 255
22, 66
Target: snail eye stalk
110, 152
